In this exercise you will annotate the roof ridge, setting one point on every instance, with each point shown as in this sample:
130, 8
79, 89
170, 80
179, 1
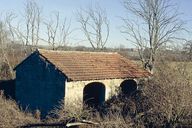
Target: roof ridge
92, 52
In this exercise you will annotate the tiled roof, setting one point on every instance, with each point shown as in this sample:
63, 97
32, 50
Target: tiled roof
82, 66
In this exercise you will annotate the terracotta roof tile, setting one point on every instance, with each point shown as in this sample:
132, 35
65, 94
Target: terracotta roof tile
81, 66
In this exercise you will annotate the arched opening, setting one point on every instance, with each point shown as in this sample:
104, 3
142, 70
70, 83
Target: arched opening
94, 94
128, 87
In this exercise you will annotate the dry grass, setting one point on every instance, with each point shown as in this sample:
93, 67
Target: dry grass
170, 92
11, 116
74, 112
112, 121
183, 67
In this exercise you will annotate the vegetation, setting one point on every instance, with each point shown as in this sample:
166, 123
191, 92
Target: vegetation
12, 116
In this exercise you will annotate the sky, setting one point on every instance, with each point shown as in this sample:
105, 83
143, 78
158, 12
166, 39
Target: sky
114, 10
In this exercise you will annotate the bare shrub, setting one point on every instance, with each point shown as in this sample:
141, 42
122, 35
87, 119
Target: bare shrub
112, 120
72, 111
170, 92
131, 107
75, 112
4, 71
11, 116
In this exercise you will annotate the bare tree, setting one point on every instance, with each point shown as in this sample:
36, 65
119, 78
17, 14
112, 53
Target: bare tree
4, 45
95, 25
157, 24
188, 49
57, 31
10, 16
32, 21
65, 31
15, 31
52, 29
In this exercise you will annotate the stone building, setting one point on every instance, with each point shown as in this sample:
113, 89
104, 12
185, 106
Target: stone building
46, 77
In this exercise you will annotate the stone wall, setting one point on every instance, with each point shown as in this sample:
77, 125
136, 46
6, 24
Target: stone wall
74, 90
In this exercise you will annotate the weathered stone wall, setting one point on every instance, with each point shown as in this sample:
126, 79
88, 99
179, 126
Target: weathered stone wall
39, 85
74, 90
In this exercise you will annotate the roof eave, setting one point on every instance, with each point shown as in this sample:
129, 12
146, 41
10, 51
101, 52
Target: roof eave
77, 80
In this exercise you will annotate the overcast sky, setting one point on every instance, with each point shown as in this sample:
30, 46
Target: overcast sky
113, 8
